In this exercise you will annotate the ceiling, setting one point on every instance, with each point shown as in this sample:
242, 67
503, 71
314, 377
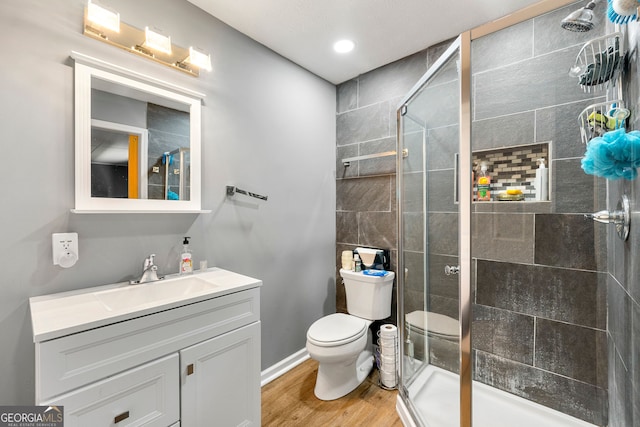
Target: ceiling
384, 30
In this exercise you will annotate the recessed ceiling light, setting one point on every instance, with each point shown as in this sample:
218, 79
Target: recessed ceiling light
343, 46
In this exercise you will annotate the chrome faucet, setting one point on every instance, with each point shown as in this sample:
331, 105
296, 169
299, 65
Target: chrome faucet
149, 272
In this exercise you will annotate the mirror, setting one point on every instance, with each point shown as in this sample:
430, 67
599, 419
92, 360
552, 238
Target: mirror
137, 141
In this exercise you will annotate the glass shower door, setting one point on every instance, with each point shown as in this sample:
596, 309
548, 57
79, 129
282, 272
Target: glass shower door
428, 246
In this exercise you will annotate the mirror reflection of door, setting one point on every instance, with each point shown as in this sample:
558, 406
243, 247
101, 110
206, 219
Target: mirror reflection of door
138, 147
118, 156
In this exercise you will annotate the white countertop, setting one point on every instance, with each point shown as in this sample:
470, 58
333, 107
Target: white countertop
57, 315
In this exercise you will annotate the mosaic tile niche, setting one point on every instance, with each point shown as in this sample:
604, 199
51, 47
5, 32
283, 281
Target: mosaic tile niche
512, 168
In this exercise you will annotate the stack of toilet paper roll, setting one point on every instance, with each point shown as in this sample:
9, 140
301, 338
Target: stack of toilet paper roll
347, 260
388, 359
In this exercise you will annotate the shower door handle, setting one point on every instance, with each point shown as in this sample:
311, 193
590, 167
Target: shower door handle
451, 269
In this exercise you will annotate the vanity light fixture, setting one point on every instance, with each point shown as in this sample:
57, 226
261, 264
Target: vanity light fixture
150, 42
199, 59
155, 40
103, 17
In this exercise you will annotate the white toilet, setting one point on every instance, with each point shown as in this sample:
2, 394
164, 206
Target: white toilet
342, 342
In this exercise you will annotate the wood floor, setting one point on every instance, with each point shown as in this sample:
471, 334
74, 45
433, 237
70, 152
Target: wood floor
289, 402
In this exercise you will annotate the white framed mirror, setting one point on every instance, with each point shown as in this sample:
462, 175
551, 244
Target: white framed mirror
137, 141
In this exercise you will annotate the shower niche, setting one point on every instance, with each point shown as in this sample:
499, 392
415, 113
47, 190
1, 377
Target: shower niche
519, 173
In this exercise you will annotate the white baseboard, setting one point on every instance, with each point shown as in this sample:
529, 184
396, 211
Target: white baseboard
283, 366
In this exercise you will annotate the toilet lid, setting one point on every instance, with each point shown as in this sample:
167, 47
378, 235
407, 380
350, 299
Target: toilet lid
435, 323
336, 329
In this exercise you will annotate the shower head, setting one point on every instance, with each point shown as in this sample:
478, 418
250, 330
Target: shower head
581, 20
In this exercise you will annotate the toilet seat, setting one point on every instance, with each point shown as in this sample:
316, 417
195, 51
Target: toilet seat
336, 329
435, 324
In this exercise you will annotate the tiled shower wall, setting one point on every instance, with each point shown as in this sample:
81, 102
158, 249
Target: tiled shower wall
539, 327
540, 268
623, 280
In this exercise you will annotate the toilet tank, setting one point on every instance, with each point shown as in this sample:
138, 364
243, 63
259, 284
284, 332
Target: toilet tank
368, 297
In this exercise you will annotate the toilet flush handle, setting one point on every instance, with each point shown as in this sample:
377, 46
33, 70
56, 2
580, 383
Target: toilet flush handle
451, 269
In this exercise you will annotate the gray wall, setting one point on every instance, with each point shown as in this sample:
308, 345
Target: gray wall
623, 284
268, 126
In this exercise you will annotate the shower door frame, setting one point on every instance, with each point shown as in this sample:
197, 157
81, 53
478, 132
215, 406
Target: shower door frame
465, 188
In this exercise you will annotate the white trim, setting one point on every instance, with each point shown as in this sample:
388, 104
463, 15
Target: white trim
90, 61
283, 366
403, 413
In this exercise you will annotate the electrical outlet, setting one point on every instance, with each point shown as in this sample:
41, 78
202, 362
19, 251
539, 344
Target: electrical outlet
65, 249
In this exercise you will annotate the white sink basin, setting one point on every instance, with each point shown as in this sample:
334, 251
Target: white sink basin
56, 315
152, 293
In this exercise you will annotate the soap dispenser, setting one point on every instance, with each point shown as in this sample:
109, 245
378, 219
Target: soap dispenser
186, 258
541, 182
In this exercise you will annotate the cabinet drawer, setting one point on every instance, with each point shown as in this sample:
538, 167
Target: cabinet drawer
147, 395
66, 363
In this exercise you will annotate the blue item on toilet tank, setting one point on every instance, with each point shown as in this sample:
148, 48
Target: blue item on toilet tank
376, 273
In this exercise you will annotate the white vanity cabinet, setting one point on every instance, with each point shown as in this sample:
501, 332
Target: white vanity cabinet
177, 365
219, 380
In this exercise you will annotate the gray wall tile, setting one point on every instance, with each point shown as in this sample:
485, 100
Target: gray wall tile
377, 229
347, 96
559, 124
572, 397
503, 131
568, 241
620, 391
619, 319
413, 196
381, 165
505, 47
441, 191
363, 124
503, 333
572, 296
392, 80
573, 351
442, 144
414, 142
346, 227
503, 237
573, 191
364, 194
413, 231
527, 85
443, 233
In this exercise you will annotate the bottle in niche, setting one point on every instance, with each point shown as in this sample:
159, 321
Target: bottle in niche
484, 184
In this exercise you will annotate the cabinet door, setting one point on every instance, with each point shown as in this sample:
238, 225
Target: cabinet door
146, 395
221, 380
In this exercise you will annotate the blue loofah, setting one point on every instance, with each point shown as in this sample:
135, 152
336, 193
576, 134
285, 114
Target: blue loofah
617, 18
614, 155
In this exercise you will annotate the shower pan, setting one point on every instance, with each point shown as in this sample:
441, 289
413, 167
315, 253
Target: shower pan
501, 307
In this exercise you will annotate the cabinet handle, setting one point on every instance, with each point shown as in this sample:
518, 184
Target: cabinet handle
121, 417
190, 369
